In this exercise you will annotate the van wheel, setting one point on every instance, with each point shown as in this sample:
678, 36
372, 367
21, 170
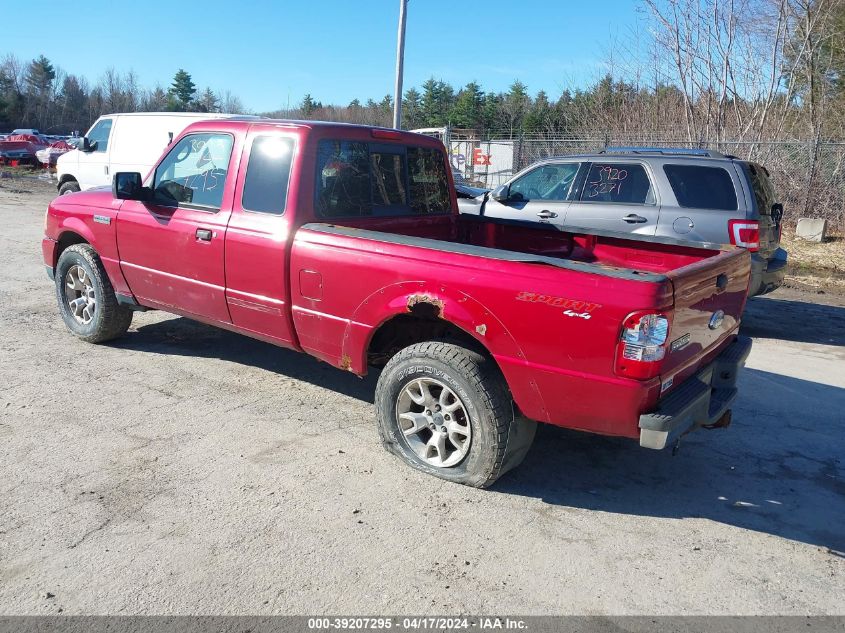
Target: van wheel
446, 410
86, 298
71, 186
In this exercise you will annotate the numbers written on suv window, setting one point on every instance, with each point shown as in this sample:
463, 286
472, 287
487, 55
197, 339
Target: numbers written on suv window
365, 179
194, 172
698, 187
267, 175
618, 182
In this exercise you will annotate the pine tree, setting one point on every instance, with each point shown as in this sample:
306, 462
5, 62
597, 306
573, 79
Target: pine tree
309, 105
411, 109
182, 90
466, 112
207, 102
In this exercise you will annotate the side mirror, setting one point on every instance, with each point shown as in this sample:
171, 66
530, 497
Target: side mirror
501, 193
127, 185
87, 146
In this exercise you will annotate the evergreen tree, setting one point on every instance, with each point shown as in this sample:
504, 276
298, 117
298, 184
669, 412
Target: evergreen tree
182, 91
309, 105
466, 112
411, 109
436, 102
207, 102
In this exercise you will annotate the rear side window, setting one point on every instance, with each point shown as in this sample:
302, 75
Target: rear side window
267, 175
618, 182
343, 179
761, 184
363, 179
699, 187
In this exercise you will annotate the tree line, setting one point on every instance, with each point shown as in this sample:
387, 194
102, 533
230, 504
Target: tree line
38, 94
706, 71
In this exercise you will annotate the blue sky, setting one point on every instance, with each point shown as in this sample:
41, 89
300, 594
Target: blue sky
272, 53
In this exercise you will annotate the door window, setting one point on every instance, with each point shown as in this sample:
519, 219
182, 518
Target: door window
619, 182
100, 133
267, 175
698, 187
548, 182
194, 172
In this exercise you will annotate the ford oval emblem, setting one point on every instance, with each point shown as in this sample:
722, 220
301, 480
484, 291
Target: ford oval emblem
716, 319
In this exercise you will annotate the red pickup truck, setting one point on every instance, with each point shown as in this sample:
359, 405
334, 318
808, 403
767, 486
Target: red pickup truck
345, 242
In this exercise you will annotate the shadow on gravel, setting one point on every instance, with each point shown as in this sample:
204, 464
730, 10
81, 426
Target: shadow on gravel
184, 337
794, 321
777, 469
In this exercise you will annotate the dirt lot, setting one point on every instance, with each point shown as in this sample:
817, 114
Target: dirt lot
189, 470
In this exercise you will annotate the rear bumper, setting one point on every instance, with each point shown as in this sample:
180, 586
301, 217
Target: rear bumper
767, 274
701, 400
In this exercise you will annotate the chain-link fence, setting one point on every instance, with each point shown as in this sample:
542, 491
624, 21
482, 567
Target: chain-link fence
809, 176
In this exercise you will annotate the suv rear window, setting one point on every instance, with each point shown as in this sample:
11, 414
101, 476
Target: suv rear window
363, 179
698, 187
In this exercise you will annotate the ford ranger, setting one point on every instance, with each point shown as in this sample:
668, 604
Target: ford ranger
344, 242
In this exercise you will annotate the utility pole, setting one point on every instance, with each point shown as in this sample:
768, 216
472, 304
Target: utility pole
400, 61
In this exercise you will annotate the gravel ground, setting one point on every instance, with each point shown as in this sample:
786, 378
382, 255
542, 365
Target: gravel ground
188, 470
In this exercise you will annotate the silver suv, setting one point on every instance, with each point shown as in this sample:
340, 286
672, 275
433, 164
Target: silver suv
687, 194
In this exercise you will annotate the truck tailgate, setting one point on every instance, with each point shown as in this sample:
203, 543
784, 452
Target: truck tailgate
709, 297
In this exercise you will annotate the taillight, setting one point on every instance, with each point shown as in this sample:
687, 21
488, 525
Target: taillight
642, 345
744, 233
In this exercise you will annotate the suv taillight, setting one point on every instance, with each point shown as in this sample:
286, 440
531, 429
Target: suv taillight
642, 345
744, 233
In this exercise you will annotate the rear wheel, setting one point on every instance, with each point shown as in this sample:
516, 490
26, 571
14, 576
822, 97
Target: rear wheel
71, 186
86, 298
446, 410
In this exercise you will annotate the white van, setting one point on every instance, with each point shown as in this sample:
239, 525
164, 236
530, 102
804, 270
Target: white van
122, 142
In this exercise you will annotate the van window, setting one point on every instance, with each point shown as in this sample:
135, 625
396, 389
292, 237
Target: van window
194, 171
364, 179
267, 175
618, 182
698, 187
100, 133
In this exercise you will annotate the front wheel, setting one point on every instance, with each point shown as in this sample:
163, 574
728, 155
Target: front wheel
71, 186
86, 298
446, 410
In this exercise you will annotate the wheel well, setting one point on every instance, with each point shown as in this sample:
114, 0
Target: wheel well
68, 238
66, 178
418, 326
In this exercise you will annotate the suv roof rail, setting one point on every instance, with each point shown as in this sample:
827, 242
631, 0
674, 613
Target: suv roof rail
678, 151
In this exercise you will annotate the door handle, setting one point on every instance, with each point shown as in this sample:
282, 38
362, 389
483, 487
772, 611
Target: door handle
546, 214
204, 235
633, 218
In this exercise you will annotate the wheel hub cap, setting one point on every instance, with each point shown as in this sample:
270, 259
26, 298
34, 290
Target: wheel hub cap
434, 422
81, 298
